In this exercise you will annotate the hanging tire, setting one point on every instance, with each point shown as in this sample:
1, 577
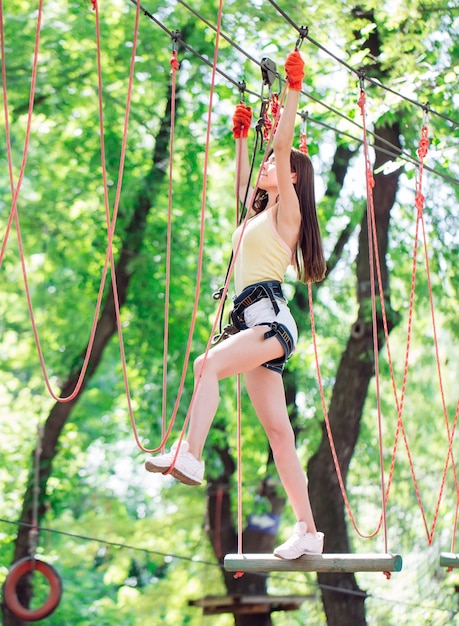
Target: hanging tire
17, 571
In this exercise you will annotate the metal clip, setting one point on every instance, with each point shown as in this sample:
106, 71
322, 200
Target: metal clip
304, 121
268, 71
425, 113
242, 86
218, 295
261, 120
302, 32
175, 36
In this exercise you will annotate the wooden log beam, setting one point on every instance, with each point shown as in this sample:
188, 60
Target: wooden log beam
449, 559
371, 562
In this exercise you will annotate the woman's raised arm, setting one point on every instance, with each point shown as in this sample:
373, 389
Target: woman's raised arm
289, 210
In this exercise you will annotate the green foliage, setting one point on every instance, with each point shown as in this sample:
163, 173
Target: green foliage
148, 551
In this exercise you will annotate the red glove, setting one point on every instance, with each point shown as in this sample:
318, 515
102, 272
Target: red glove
294, 68
241, 121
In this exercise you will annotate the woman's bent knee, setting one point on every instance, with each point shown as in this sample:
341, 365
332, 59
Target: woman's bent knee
198, 364
281, 440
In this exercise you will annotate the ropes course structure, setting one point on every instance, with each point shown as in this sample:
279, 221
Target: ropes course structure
269, 114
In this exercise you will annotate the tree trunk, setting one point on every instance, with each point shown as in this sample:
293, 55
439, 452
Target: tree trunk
223, 535
354, 374
106, 328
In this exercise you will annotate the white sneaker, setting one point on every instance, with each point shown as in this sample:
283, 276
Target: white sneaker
301, 542
187, 469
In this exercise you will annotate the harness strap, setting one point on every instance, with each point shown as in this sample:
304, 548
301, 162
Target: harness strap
281, 332
252, 294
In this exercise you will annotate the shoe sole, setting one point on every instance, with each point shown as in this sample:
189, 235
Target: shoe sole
293, 558
151, 467
177, 474
183, 478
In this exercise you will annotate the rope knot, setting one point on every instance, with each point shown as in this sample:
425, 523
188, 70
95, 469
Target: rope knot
174, 62
423, 143
361, 100
303, 144
370, 178
275, 109
419, 201
267, 125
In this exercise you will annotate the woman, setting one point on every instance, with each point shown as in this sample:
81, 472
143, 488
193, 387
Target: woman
284, 230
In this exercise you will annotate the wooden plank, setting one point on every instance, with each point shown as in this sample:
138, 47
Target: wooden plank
248, 599
246, 605
372, 562
449, 559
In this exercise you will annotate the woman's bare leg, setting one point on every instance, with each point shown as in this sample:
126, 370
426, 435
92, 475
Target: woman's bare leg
237, 354
266, 391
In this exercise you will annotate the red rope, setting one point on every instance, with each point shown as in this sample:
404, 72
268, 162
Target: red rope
239, 474
303, 133
174, 63
374, 259
7, 132
230, 271
419, 203
328, 427
271, 116
110, 226
303, 143
239, 467
275, 111
200, 260
422, 151
16, 190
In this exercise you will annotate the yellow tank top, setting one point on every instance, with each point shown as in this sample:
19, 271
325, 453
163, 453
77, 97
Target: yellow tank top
262, 254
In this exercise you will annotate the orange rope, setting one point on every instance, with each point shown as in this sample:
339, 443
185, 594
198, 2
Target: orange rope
374, 261
239, 466
174, 63
200, 260
14, 214
269, 139
15, 190
419, 202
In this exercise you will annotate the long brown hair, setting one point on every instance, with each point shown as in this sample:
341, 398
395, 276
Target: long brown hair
309, 261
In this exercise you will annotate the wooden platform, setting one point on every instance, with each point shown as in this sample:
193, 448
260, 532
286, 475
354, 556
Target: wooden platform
449, 559
246, 604
317, 563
